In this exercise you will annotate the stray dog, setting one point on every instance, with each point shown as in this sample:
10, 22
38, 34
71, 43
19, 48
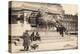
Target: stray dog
34, 46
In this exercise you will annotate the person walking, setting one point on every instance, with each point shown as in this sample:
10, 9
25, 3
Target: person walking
26, 41
62, 30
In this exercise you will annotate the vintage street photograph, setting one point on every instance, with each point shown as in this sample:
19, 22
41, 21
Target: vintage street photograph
35, 26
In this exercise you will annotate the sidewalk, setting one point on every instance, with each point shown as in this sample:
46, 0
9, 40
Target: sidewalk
51, 43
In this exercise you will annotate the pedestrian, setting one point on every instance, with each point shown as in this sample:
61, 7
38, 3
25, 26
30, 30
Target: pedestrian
38, 36
26, 40
62, 30
32, 36
35, 44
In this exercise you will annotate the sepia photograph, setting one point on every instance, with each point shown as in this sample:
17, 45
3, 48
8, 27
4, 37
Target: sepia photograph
36, 26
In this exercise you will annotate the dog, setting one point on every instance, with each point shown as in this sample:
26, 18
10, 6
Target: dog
34, 46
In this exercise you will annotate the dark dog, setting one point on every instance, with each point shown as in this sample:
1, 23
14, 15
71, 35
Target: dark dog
34, 46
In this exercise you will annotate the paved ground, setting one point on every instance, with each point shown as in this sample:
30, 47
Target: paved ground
50, 41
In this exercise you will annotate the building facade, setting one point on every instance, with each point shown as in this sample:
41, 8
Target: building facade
70, 22
34, 18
